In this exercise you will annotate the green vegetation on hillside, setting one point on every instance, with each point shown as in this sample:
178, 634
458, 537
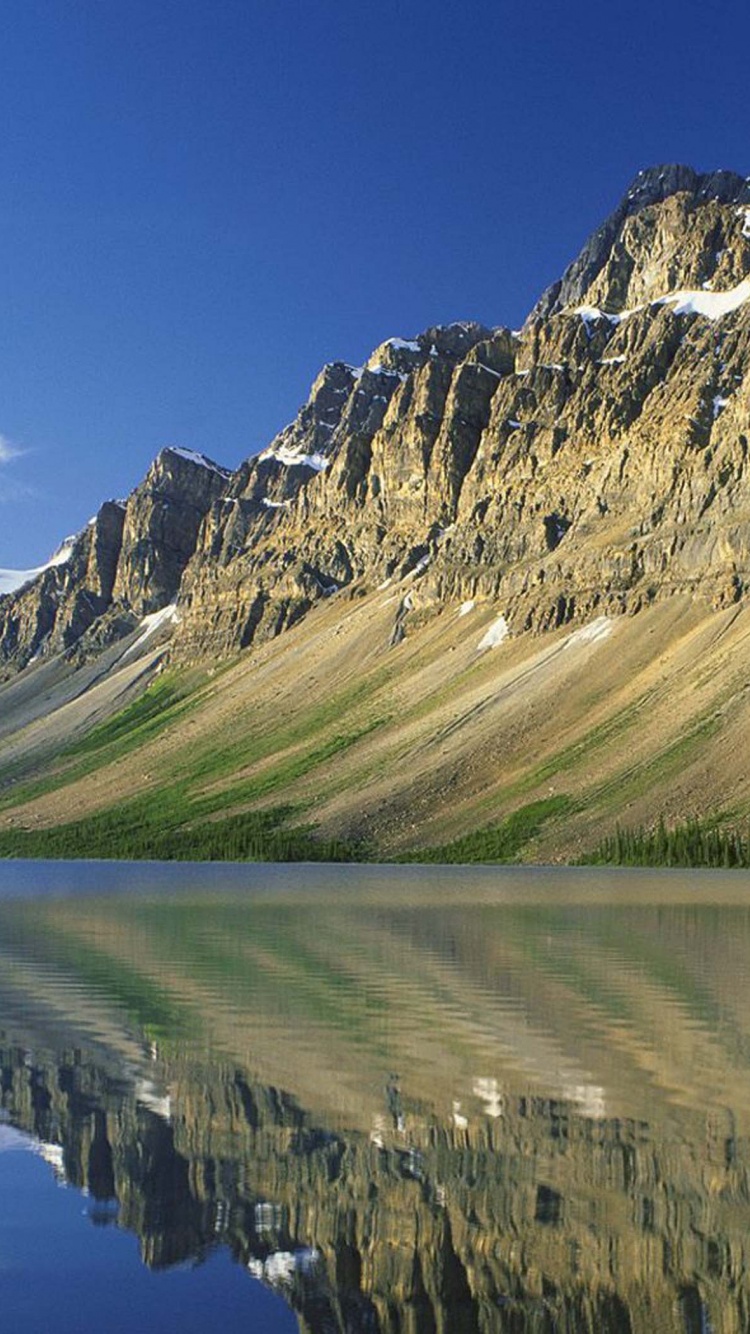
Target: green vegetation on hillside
198, 810
693, 843
164, 700
242, 768
496, 843
255, 739
151, 827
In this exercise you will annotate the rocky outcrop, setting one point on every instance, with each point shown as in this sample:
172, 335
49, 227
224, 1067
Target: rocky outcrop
594, 461
674, 228
53, 611
162, 519
311, 515
127, 562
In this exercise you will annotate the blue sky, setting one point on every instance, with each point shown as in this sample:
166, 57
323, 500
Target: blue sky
202, 201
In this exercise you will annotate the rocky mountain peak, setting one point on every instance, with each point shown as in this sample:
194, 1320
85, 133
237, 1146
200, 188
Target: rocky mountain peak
456, 340
126, 563
655, 184
397, 356
400, 356
162, 519
590, 463
675, 229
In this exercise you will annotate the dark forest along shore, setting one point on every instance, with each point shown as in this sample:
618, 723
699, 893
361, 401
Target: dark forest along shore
362, 1098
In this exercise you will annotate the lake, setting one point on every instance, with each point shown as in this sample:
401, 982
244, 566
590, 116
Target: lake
354, 1098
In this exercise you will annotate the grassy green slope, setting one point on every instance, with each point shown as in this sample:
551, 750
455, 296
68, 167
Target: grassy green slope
328, 744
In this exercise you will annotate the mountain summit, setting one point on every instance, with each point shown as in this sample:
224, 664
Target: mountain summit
673, 229
550, 479
592, 462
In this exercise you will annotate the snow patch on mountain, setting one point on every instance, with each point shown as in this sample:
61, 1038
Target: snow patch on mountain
405, 344
150, 624
596, 630
294, 458
495, 635
711, 304
12, 580
591, 314
201, 460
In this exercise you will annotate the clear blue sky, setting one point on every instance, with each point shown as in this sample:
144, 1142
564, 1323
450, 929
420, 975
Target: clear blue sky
201, 201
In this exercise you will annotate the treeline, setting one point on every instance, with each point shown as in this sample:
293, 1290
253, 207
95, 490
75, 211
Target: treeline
693, 843
137, 831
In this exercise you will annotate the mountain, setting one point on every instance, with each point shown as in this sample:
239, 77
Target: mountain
555, 478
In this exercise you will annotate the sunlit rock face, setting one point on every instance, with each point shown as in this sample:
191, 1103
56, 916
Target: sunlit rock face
364, 502
674, 229
55, 608
126, 563
592, 462
162, 519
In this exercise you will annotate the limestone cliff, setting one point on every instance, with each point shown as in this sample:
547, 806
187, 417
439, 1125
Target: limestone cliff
128, 561
593, 461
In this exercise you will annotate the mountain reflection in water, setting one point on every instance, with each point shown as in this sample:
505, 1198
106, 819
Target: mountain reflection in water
489, 1104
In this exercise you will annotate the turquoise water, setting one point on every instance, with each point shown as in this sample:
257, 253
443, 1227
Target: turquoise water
373, 1099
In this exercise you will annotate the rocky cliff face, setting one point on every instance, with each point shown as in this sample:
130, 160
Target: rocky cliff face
127, 562
674, 228
353, 504
594, 461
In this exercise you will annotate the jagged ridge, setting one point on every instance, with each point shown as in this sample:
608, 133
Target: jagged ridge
595, 461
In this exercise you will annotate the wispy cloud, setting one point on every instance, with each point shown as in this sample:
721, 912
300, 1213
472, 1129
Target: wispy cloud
11, 489
13, 492
8, 450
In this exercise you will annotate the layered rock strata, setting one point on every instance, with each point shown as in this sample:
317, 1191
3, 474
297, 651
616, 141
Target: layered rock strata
126, 563
592, 462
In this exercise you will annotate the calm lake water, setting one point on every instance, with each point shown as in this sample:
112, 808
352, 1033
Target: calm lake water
394, 1100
